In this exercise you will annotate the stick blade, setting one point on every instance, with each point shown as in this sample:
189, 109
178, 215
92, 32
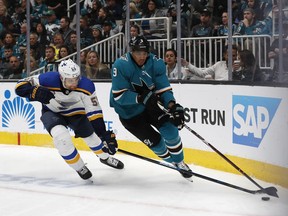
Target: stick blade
272, 191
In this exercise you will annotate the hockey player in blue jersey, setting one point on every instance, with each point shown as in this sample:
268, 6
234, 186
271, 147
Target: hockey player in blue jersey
69, 100
139, 82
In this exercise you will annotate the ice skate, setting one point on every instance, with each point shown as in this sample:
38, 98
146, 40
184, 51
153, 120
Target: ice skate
84, 173
187, 172
113, 162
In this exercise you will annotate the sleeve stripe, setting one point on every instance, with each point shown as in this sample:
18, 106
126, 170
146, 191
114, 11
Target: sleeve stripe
169, 88
96, 116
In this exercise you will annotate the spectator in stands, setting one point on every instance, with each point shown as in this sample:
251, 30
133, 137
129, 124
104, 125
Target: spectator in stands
134, 31
21, 41
86, 37
52, 23
43, 37
93, 15
153, 29
185, 12
8, 52
250, 26
38, 12
134, 14
97, 33
83, 56
3, 3
104, 15
36, 46
115, 9
63, 51
5, 19
107, 29
140, 4
94, 69
274, 53
218, 71
49, 58
18, 17
205, 28
9, 40
73, 42
172, 66
15, 68
134, 11
258, 6
57, 42
250, 70
33, 66
65, 29
222, 29
197, 6
4, 65
87, 6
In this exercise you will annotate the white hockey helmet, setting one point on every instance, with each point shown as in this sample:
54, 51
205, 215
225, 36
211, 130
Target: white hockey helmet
69, 69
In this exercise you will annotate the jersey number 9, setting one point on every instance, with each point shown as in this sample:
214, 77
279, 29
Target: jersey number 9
114, 72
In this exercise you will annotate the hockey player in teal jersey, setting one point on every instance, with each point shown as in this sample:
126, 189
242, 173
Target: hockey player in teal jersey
69, 100
139, 83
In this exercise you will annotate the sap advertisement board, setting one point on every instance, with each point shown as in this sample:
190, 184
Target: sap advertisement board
244, 121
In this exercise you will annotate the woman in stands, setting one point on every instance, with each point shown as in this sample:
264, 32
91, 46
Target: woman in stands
63, 51
94, 69
250, 70
172, 67
33, 66
97, 33
41, 31
153, 29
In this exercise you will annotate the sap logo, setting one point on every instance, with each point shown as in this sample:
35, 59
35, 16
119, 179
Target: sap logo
251, 118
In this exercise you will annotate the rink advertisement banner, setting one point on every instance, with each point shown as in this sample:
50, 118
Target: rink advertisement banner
248, 122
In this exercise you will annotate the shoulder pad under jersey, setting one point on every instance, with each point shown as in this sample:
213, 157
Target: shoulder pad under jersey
86, 86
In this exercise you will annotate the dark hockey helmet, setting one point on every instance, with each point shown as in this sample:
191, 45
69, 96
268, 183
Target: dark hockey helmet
139, 43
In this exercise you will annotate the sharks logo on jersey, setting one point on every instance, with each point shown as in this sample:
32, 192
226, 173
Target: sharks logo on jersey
252, 117
140, 88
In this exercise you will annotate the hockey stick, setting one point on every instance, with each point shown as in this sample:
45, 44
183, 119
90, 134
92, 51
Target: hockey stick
272, 191
196, 174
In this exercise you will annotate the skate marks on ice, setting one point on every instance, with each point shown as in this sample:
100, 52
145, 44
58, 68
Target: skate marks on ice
36, 181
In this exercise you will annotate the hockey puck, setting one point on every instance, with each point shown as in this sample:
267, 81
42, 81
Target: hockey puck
265, 198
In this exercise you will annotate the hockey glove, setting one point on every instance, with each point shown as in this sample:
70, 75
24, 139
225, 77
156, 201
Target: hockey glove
177, 113
149, 99
110, 142
41, 94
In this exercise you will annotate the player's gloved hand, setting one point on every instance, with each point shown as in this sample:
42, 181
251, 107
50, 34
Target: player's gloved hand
41, 94
177, 113
149, 99
110, 142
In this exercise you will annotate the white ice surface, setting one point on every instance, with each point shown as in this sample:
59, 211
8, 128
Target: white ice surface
36, 181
